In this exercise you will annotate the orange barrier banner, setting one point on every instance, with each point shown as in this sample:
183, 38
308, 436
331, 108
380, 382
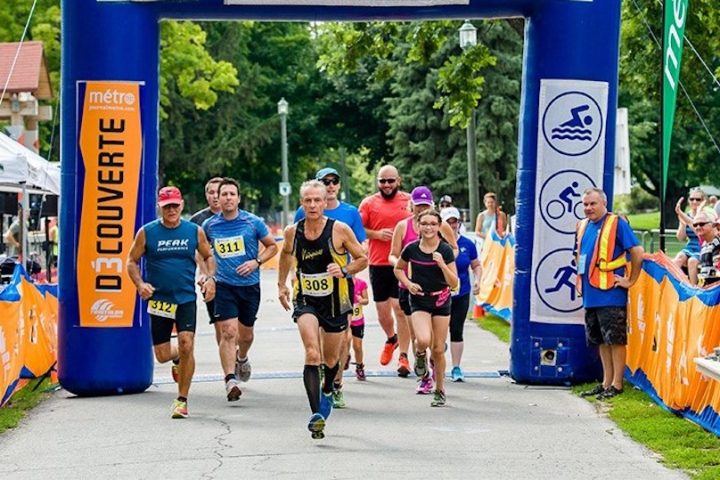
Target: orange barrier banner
670, 323
111, 148
28, 333
497, 258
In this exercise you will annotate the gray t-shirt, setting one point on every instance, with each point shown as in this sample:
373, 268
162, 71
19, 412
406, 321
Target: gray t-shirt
16, 233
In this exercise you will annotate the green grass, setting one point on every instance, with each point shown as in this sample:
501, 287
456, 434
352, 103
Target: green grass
681, 443
21, 403
645, 221
497, 326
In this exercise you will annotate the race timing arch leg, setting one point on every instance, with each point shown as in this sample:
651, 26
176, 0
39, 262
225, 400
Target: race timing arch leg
109, 179
567, 138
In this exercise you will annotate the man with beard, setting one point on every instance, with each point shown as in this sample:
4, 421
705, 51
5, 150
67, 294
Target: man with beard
234, 236
380, 213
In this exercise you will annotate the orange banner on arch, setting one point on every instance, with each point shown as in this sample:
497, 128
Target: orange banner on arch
111, 148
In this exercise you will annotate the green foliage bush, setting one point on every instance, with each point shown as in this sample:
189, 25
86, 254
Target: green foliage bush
641, 201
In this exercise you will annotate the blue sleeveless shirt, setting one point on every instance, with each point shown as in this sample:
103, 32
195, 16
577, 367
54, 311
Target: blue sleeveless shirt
170, 261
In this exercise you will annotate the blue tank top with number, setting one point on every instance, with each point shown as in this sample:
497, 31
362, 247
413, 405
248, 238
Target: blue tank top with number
170, 261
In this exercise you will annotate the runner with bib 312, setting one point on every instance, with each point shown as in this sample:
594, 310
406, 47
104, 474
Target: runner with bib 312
169, 246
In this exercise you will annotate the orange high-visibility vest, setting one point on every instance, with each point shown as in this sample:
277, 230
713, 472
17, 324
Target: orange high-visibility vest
602, 270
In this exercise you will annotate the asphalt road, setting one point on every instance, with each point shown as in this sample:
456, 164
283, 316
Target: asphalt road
491, 427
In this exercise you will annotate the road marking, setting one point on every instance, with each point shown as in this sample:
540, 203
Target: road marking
207, 378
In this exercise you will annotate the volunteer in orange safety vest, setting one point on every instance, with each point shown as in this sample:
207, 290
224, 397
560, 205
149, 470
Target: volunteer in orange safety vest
603, 241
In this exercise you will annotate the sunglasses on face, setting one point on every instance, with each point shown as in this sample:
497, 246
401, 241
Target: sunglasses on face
331, 181
452, 221
700, 224
696, 199
383, 181
171, 206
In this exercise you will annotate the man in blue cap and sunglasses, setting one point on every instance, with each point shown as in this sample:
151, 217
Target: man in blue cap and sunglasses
348, 214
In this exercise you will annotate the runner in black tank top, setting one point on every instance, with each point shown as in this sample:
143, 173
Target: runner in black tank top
316, 290
323, 293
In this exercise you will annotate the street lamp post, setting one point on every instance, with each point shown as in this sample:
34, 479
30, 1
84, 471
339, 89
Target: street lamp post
468, 39
285, 184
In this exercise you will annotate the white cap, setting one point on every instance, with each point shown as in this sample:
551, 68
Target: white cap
450, 212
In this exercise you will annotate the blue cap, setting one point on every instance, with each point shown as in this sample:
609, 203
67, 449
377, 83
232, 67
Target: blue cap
324, 172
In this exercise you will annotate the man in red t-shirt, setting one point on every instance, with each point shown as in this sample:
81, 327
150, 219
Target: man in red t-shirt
380, 213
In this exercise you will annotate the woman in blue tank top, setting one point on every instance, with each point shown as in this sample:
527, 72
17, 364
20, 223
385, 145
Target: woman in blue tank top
690, 255
488, 218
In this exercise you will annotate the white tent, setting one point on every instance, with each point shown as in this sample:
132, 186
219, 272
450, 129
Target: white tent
22, 170
21, 167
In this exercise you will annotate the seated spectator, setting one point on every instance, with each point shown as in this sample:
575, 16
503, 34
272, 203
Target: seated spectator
706, 228
689, 256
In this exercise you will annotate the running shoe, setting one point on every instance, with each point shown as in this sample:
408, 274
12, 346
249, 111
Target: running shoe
425, 387
387, 353
326, 404
438, 399
403, 366
175, 372
232, 387
338, 399
420, 365
243, 370
316, 425
179, 409
432, 370
457, 375
360, 372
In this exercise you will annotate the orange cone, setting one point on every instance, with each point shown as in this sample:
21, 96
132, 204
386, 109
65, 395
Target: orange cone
478, 311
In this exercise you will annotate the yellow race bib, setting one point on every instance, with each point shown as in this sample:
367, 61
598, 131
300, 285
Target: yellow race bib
162, 309
230, 247
316, 284
357, 312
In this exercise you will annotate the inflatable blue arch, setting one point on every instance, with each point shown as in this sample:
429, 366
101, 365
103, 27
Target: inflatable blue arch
110, 163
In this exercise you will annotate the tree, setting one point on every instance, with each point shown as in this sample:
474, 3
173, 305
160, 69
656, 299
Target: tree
694, 153
430, 88
196, 75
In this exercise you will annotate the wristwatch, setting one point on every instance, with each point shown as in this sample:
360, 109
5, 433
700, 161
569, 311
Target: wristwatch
344, 271
259, 260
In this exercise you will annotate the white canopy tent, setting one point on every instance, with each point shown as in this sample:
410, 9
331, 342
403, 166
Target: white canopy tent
22, 170
20, 166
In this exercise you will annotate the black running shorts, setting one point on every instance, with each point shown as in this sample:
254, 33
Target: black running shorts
329, 324
185, 321
384, 283
233, 301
